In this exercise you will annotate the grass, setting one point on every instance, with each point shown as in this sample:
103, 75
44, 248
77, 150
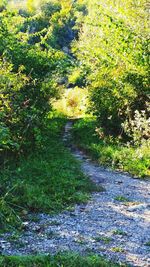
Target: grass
48, 180
109, 151
63, 260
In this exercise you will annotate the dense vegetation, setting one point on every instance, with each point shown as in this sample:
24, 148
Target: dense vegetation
98, 52
67, 260
113, 48
52, 45
30, 66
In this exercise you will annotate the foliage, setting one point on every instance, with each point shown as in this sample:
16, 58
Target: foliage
3, 4
28, 74
109, 57
24, 104
111, 151
61, 259
113, 44
113, 52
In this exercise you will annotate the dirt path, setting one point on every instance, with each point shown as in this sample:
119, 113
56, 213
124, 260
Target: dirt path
114, 223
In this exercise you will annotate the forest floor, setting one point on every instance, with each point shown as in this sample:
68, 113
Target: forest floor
114, 223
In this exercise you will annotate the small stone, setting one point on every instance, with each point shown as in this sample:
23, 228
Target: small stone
118, 182
138, 207
37, 228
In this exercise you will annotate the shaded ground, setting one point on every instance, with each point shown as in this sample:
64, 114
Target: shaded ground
114, 223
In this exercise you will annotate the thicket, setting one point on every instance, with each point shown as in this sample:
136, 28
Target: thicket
33, 66
113, 49
102, 47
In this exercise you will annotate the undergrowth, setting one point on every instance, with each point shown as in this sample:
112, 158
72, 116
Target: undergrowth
47, 180
63, 260
111, 152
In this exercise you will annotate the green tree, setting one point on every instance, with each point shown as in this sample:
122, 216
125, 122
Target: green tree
113, 44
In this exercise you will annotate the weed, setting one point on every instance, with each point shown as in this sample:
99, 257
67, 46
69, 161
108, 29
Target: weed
80, 240
118, 249
70, 208
106, 240
119, 232
122, 199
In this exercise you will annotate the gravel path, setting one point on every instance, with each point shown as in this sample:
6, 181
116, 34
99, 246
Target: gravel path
114, 223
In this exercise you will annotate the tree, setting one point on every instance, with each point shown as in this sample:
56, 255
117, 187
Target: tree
113, 44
